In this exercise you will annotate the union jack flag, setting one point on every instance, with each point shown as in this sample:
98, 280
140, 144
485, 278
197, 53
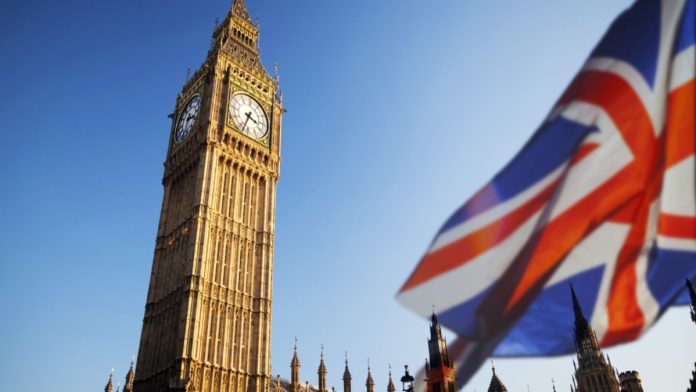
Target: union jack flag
603, 197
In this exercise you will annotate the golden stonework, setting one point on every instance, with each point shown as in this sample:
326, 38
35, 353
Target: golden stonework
208, 313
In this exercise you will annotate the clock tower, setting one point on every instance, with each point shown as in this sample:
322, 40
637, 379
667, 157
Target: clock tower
207, 323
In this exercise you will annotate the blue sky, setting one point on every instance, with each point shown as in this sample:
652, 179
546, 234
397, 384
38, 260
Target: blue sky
397, 112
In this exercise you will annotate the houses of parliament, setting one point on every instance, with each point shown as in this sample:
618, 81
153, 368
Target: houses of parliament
207, 320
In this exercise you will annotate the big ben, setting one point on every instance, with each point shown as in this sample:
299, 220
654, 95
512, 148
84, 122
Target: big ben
208, 312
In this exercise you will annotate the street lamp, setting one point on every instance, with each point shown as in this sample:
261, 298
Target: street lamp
407, 380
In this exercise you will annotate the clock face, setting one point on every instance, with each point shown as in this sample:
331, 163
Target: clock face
187, 118
248, 116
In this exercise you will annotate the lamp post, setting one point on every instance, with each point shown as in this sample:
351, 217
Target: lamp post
407, 381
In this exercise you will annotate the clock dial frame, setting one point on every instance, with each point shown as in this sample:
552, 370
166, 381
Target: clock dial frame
188, 118
247, 115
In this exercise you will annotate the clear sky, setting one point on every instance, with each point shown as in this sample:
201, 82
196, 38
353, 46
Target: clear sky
398, 112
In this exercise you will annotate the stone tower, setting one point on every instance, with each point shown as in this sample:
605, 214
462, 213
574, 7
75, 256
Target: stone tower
347, 377
369, 382
390, 384
295, 371
496, 385
630, 381
321, 373
109, 384
208, 312
128, 385
593, 372
439, 371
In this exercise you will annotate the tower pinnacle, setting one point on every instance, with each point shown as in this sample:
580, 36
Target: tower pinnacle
579, 315
295, 370
369, 382
584, 336
438, 370
346, 377
128, 386
390, 385
496, 385
240, 10
592, 368
322, 372
109, 385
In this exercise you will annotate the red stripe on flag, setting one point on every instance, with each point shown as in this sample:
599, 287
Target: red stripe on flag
618, 99
681, 129
625, 317
468, 247
626, 110
678, 226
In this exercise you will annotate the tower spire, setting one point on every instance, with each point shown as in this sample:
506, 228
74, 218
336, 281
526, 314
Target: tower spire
592, 366
109, 385
239, 9
295, 370
369, 382
346, 377
583, 332
390, 385
439, 371
128, 386
321, 372
577, 309
496, 385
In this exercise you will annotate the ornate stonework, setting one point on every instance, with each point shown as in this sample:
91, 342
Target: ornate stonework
208, 313
439, 371
593, 372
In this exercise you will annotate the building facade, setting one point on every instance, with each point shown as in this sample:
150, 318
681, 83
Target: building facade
208, 312
593, 372
439, 371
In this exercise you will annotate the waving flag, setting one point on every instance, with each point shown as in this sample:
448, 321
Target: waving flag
603, 196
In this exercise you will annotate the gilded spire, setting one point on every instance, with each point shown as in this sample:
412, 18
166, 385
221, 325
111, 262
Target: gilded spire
369, 383
390, 386
322, 367
128, 386
109, 385
295, 363
295, 368
240, 10
322, 372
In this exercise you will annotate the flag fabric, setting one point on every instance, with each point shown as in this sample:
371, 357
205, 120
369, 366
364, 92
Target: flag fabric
603, 197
